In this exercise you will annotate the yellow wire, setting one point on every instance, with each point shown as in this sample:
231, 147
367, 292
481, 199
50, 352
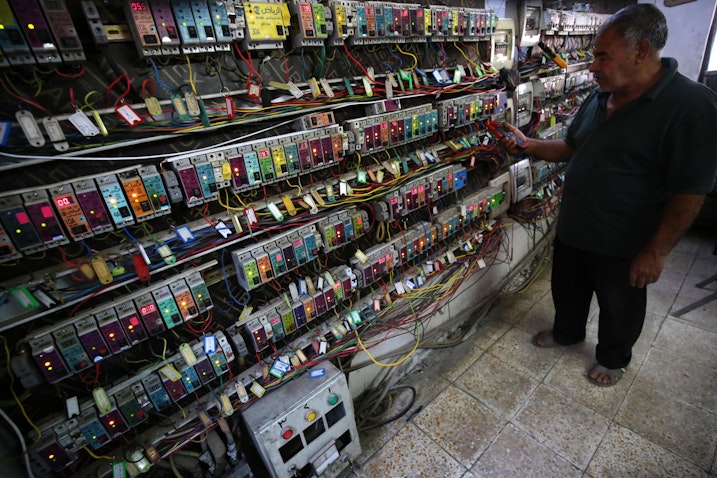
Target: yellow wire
227, 206
415, 60
191, 75
399, 362
184, 414
12, 389
97, 457
239, 199
466, 57
298, 182
380, 231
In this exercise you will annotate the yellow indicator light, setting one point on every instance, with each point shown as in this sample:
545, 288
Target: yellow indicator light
30, 26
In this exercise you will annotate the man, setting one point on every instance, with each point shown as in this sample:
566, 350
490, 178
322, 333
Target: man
641, 155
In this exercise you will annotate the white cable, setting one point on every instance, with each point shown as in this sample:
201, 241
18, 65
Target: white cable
22, 443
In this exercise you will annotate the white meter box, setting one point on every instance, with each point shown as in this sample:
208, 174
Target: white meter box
307, 427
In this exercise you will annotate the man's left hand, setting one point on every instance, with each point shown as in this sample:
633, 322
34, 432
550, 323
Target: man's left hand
646, 267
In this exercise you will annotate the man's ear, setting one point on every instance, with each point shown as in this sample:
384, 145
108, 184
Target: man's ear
642, 50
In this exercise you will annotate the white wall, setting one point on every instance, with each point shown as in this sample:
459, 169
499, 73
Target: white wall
689, 25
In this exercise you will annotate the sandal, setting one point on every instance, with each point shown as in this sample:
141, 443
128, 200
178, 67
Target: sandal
547, 339
615, 375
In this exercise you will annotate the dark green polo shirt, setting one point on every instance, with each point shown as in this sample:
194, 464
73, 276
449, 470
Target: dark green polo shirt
626, 167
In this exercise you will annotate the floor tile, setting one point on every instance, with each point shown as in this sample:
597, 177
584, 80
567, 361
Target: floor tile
625, 453
677, 426
702, 316
460, 424
689, 341
427, 386
412, 454
538, 318
659, 301
570, 429
374, 439
502, 387
516, 349
691, 243
537, 290
704, 266
650, 329
511, 309
488, 333
516, 453
461, 358
690, 288
678, 263
680, 377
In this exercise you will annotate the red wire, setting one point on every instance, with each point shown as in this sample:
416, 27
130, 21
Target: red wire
346, 49
21, 98
97, 374
248, 62
144, 85
113, 84
73, 76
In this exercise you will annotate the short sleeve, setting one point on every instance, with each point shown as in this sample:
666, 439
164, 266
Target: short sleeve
690, 144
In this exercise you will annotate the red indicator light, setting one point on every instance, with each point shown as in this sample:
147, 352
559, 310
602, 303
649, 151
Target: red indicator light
22, 218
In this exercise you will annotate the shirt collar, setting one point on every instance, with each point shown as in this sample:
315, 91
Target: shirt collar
670, 64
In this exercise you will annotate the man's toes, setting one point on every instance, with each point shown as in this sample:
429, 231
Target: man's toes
600, 377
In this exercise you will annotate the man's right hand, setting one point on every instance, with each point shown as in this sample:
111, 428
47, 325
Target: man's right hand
510, 144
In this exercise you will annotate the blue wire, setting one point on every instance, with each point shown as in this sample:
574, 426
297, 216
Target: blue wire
400, 60
89, 250
129, 234
226, 283
156, 74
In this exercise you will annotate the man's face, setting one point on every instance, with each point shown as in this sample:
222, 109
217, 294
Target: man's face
614, 63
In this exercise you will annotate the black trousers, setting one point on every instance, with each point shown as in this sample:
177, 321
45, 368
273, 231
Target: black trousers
578, 274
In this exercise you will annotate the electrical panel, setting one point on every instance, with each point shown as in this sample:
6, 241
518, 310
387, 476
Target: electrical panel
208, 202
315, 426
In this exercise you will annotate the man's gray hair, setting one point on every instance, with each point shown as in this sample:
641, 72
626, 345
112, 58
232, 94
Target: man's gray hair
639, 22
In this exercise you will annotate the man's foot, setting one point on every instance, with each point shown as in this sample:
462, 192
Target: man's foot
605, 377
544, 340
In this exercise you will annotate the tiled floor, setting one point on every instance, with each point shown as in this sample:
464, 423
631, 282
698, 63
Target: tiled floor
497, 406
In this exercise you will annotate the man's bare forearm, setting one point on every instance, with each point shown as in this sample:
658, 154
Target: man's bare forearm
550, 150
679, 214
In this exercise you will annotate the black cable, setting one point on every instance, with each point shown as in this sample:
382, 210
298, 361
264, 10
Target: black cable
399, 415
